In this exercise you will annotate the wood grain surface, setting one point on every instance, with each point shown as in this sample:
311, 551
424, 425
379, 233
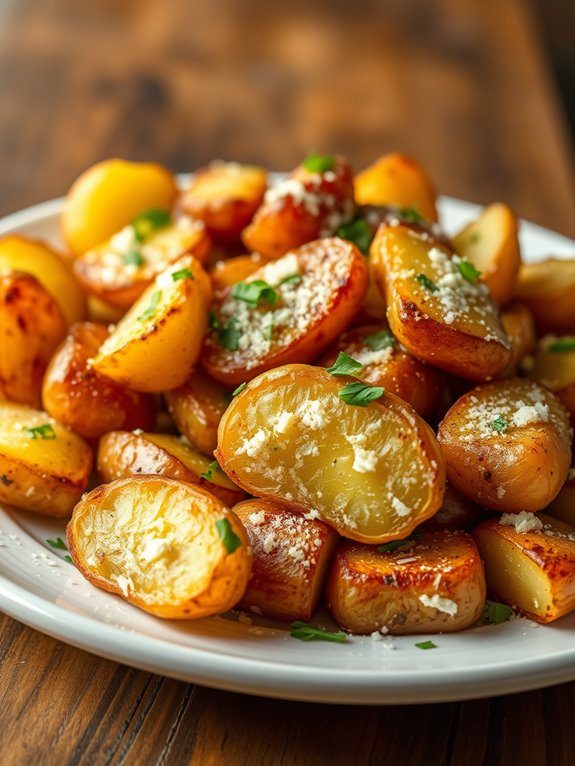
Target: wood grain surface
461, 84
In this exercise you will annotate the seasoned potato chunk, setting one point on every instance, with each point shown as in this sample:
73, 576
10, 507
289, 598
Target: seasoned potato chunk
79, 397
31, 327
314, 442
507, 445
228, 273
518, 324
124, 453
434, 584
548, 289
287, 311
167, 547
290, 558
436, 307
157, 343
44, 467
554, 368
530, 563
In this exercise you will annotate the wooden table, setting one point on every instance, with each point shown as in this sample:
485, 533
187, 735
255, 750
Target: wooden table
463, 86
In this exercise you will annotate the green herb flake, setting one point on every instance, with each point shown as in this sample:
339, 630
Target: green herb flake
319, 163
293, 279
499, 425
426, 645
149, 222
41, 432
132, 258
209, 472
394, 545
5, 480
229, 335
154, 300
359, 232
254, 292
306, 632
426, 282
561, 345
468, 271
229, 539
182, 274
409, 215
344, 365
360, 394
239, 389
380, 340
68, 559
495, 613
58, 543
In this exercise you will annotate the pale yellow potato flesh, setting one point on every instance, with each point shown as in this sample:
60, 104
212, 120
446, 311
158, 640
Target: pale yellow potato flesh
548, 289
556, 371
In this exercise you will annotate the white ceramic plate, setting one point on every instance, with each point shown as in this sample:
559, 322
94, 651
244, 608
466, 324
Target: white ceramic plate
42, 590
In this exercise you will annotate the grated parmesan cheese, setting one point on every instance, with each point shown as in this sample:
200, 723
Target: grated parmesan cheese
445, 605
522, 522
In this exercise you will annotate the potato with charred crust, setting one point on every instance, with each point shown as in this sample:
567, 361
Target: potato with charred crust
365, 462
548, 289
432, 584
167, 547
530, 563
518, 324
44, 467
554, 368
79, 397
290, 558
287, 311
233, 270
507, 445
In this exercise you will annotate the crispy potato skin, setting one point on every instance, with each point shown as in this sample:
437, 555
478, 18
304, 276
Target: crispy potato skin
31, 327
78, 397
518, 323
369, 591
305, 460
548, 290
522, 468
533, 571
176, 576
46, 476
227, 273
290, 558
556, 371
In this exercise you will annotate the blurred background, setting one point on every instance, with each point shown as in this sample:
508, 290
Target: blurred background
452, 82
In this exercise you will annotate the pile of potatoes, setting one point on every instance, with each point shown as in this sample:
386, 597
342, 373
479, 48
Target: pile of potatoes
293, 391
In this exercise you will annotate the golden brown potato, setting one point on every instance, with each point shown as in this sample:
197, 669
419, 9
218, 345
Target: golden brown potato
457, 512
225, 195
228, 273
563, 507
314, 442
79, 397
530, 563
108, 196
167, 547
44, 467
31, 327
157, 343
126, 453
518, 324
554, 368
490, 243
434, 584
507, 445
548, 289
313, 202
436, 307
287, 311
290, 558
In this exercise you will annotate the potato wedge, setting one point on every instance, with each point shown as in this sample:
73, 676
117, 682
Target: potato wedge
108, 196
457, 512
548, 290
44, 467
554, 368
233, 270
225, 195
507, 445
157, 343
126, 453
31, 327
315, 291
530, 563
79, 397
519, 327
165, 546
435, 307
490, 243
290, 558
372, 472
434, 584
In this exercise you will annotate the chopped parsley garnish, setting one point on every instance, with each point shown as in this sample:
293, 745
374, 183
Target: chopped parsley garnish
150, 221
426, 282
344, 365
213, 321
394, 545
209, 472
561, 345
319, 163
410, 215
154, 300
58, 543
359, 232
133, 258
380, 340
182, 274
68, 559
306, 632
229, 539
229, 334
495, 613
499, 425
239, 389
468, 271
293, 279
41, 432
254, 292
360, 394
426, 645
5, 480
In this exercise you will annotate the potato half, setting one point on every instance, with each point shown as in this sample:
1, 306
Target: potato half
372, 472
233, 270
548, 289
554, 368
168, 547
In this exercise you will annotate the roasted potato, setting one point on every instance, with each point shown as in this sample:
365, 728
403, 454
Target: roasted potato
79, 397
434, 584
457, 512
290, 558
554, 368
563, 507
490, 243
228, 273
126, 453
108, 196
314, 442
225, 195
518, 324
548, 290
31, 327
44, 467
289, 310
100, 311
165, 546
157, 343
436, 307
530, 563
507, 445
